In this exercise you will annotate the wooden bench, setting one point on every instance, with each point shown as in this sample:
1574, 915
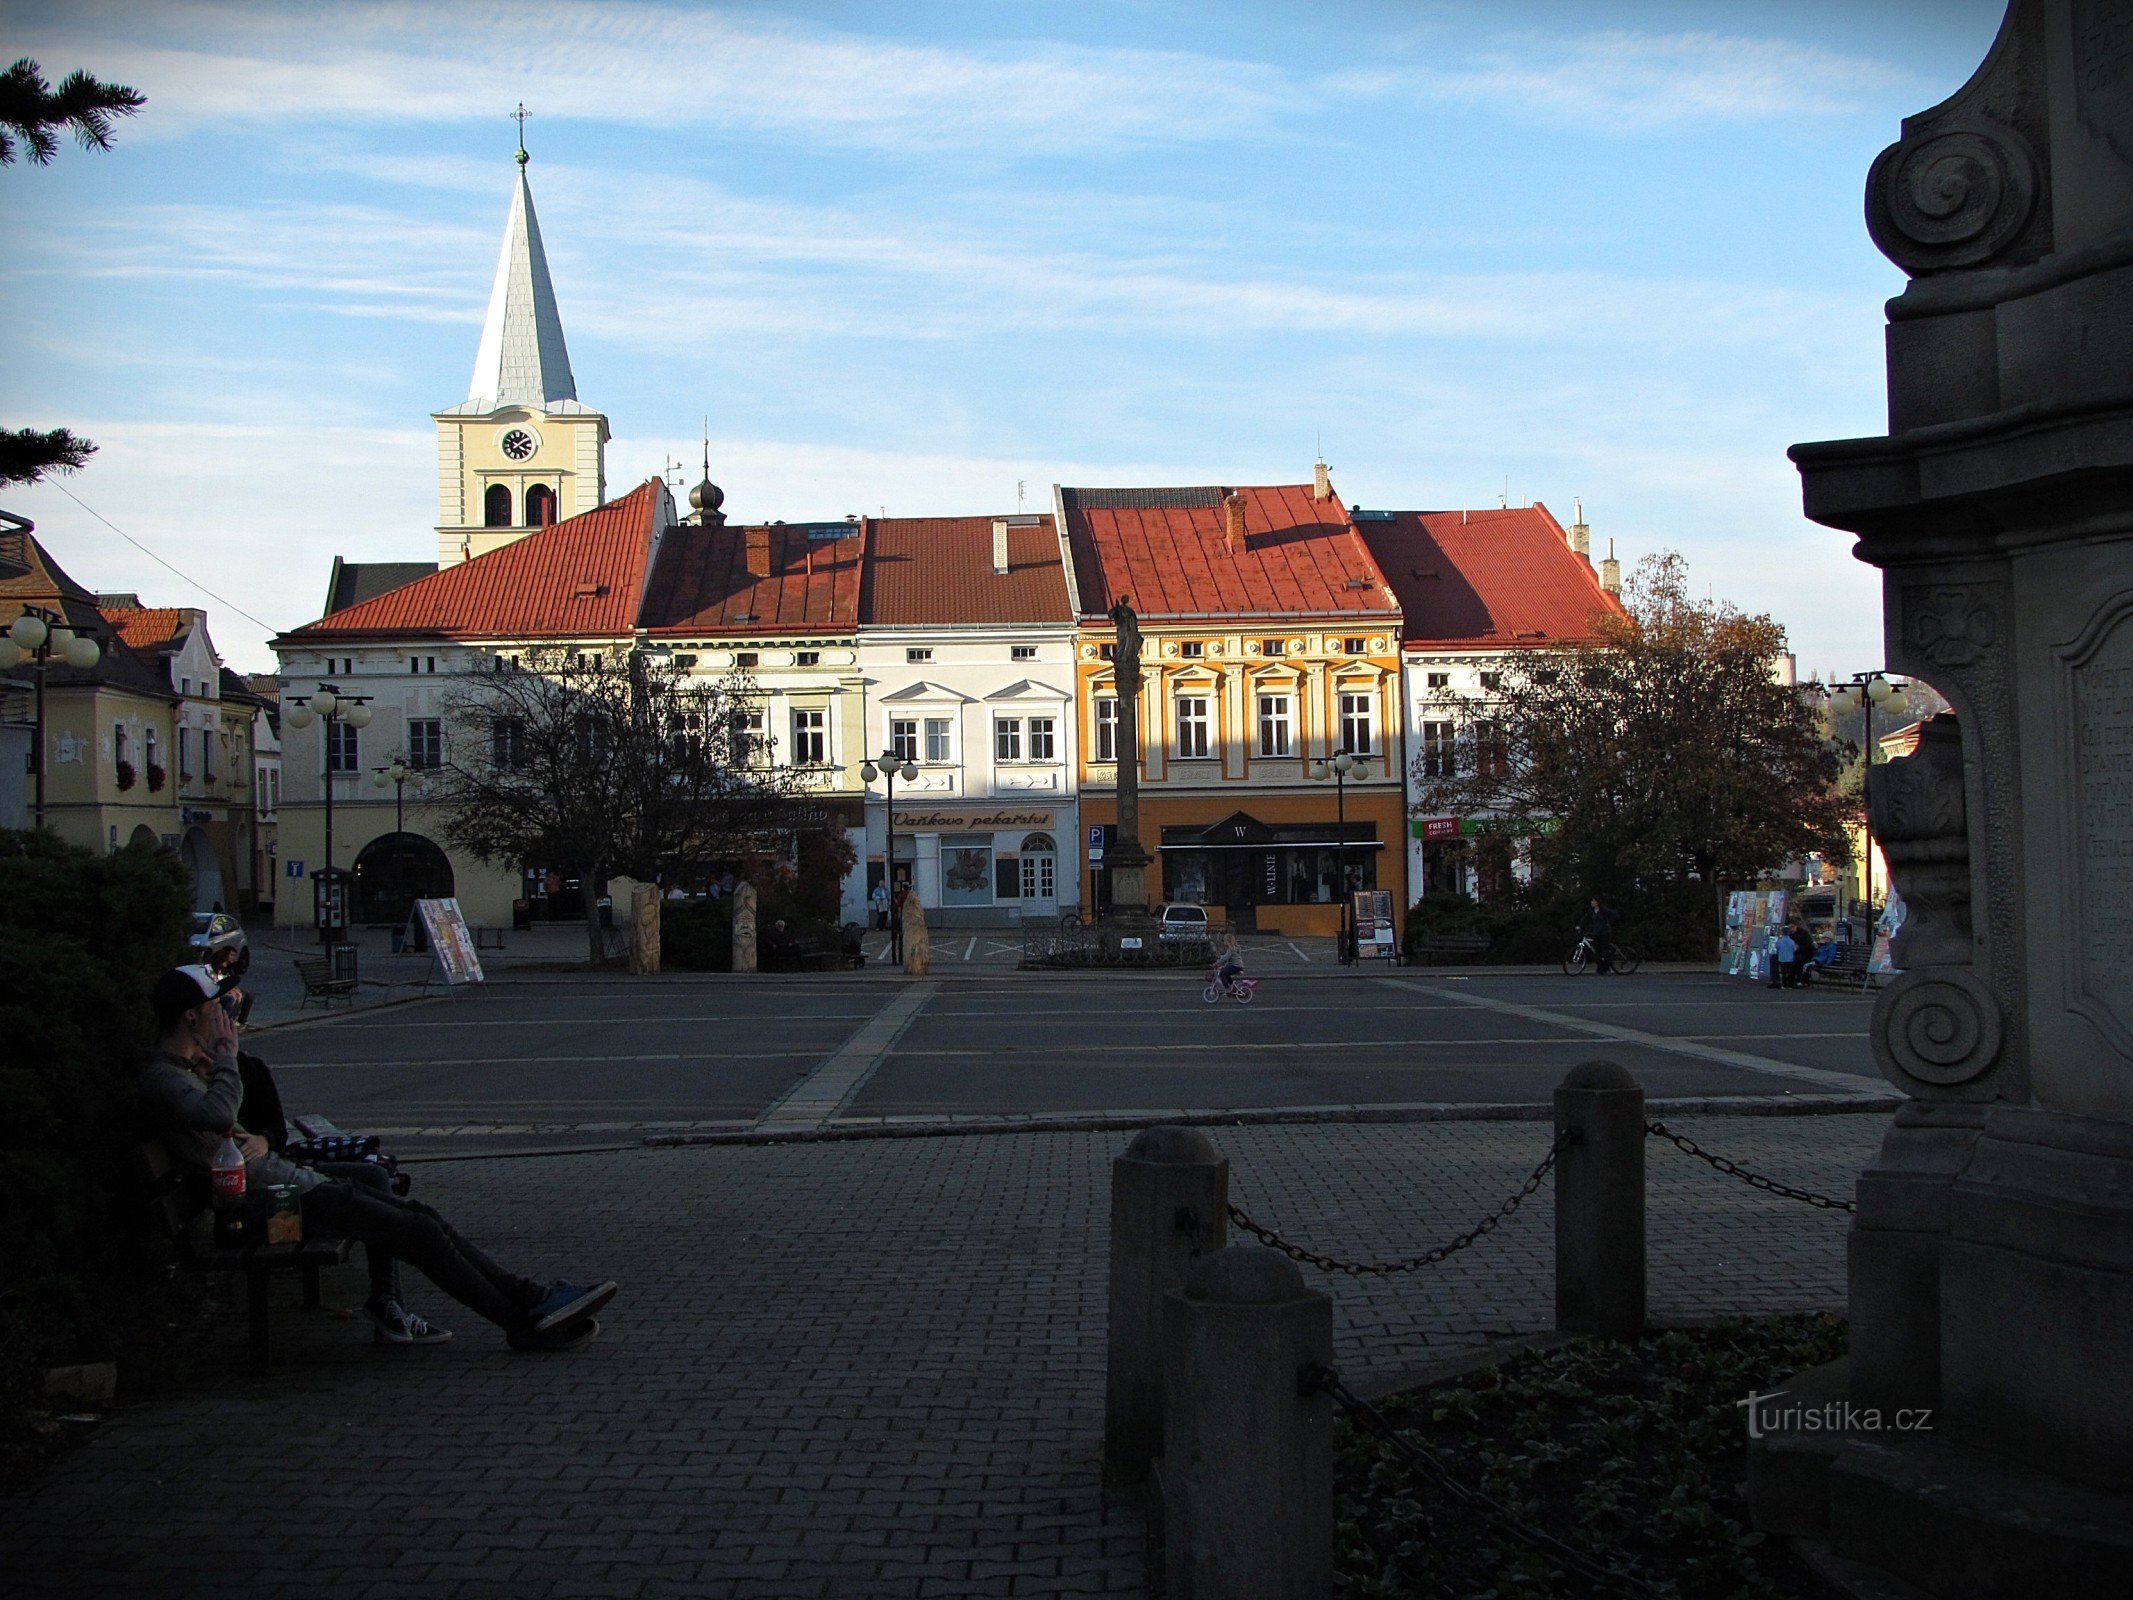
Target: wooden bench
1848, 971
321, 985
1432, 946
177, 1197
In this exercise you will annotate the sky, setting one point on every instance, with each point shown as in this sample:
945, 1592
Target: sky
933, 257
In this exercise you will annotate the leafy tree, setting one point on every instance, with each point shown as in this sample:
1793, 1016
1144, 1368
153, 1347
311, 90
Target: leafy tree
32, 113
1662, 751
601, 763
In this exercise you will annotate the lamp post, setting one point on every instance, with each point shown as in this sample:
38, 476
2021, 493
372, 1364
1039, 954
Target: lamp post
1868, 690
1343, 766
396, 773
330, 706
892, 765
37, 636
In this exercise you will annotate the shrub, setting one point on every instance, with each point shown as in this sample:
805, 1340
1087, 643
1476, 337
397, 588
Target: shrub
696, 935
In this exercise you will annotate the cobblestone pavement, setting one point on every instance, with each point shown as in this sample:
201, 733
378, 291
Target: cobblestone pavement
868, 1369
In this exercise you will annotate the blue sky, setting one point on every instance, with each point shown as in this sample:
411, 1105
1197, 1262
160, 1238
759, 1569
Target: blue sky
910, 255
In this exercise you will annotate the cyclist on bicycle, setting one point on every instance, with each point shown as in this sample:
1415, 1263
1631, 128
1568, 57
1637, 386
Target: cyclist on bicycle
1229, 960
1599, 926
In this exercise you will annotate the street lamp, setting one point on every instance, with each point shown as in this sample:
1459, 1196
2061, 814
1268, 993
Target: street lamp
396, 774
1340, 769
37, 637
893, 765
1867, 690
329, 705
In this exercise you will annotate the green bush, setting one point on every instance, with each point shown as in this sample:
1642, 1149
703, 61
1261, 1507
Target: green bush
696, 935
1534, 923
82, 938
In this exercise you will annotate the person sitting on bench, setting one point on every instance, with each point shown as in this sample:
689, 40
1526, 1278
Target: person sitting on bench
191, 1089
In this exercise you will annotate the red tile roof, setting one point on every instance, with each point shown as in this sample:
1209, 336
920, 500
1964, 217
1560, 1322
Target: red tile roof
44, 583
1164, 549
149, 628
1500, 577
924, 570
701, 583
578, 579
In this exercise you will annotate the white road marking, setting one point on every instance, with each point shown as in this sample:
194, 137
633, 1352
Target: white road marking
1299, 949
822, 1093
971, 948
1848, 1081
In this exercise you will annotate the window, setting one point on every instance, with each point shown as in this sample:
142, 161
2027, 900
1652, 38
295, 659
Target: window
1492, 752
744, 658
1438, 680
1273, 724
1106, 729
1007, 739
342, 752
207, 755
185, 686
540, 505
148, 748
419, 664
1108, 651
425, 744
1354, 647
966, 869
1439, 750
118, 744
1359, 723
1273, 647
1022, 652
1192, 649
744, 737
1492, 681
273, 788
1192, 726
810, 738
1042, 743
937, 746
917, 653
185, 755
496, 506
807, 658
508, 744
593, 736
903, 738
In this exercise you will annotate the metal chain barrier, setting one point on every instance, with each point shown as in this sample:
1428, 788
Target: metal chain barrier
1755, 1180
1367, 1418
1429, 1258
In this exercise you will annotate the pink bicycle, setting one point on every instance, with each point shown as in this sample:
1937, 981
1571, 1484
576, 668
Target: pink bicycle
1238, 988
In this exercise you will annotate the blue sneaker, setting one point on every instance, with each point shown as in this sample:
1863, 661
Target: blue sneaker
566, 1302
567, 1337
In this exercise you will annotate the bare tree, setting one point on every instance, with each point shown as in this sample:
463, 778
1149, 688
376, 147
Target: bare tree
609, 762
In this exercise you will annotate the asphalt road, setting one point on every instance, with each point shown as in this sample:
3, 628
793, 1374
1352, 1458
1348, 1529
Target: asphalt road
572, 1061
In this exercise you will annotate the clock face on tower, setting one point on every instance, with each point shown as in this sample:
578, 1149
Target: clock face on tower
519, 443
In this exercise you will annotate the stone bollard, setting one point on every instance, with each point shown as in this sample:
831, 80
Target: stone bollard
1247, 1455
744, 941
1169, 1207
1599, 1202
918, 943
644, 930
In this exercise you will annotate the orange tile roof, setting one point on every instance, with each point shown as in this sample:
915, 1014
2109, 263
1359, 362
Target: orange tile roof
1164, 549
701, 583
1499, 577
938, 570
148, 628
578, 579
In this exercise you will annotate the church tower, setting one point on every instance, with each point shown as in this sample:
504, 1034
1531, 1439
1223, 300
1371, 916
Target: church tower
521, 452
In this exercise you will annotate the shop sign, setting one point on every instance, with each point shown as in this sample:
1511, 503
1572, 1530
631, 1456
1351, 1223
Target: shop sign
192, 814
1477, 827
974, 819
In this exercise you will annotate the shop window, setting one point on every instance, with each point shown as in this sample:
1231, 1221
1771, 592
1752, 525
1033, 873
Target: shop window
1194, 742
903, 738
1273, 724
1106, 741
938, 746
1043, 743
1006, 878
966, 870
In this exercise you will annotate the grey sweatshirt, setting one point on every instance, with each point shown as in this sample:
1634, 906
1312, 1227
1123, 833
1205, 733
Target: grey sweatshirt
194, 1117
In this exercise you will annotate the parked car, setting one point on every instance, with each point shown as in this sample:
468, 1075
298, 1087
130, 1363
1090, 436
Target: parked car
217, 931
1181, 922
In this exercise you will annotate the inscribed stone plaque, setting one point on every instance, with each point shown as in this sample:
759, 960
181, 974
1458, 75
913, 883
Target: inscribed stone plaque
2100, 681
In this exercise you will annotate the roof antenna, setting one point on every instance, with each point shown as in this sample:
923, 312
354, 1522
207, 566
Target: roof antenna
1503, 501
1021, 490
519, 116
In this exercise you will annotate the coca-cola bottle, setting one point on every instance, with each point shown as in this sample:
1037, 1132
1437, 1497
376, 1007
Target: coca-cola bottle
226, 1178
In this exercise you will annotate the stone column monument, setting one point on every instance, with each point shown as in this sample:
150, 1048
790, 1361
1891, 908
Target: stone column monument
1992, 1255
1129, 858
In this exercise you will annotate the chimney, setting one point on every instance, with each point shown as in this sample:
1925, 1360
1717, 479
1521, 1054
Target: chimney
1321, 481
1611, 572
1233, 521
999, 547
758, 552
1580, 535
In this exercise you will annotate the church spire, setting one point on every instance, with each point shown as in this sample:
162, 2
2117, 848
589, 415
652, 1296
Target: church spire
522, 360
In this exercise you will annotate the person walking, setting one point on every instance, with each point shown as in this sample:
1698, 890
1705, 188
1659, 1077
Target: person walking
880, 900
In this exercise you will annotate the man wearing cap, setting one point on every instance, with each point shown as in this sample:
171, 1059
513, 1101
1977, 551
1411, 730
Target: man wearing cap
191, 1089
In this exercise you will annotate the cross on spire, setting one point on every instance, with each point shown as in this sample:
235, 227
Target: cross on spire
519, 116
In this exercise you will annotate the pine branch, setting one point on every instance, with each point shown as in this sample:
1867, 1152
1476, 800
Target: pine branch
30, 110
27, 456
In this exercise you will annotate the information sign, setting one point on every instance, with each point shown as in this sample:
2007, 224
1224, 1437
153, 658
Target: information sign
449, 938
1375, 939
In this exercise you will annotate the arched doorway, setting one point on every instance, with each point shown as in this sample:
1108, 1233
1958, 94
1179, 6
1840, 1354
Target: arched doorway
1040, 875
198, 854
392, 872
143, 834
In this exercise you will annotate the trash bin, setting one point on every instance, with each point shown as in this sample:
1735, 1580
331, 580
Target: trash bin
607, 912
521, 915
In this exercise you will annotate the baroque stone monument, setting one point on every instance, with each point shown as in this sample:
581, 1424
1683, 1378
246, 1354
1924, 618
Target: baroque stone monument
1129, 857
1992, 1254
